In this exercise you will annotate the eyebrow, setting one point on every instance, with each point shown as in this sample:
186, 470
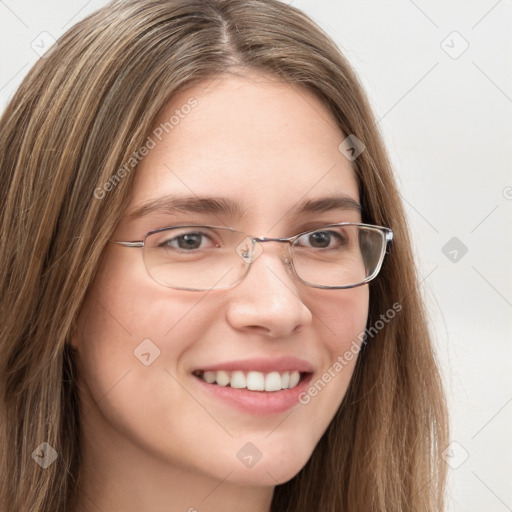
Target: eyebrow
170, 204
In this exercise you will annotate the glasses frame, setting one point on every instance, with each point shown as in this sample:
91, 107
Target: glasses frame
387, 232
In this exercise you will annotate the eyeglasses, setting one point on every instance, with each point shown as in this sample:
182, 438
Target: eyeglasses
194, 257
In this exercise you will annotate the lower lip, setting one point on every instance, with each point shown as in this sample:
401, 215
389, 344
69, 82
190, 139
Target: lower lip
260, 403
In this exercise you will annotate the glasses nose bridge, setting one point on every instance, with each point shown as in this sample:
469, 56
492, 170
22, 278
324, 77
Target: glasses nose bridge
257, 240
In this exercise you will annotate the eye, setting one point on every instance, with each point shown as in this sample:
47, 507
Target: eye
189, 241
323, 239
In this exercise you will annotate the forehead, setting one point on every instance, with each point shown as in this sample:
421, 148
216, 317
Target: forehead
265, 144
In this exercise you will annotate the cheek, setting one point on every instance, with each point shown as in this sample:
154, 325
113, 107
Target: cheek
131, 341
342, 321
121, 312
341, 317
131, 335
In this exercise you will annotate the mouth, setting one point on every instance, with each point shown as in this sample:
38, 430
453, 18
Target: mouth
259, 386
270, 382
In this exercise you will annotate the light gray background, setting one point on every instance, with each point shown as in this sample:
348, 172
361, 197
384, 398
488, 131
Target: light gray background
446, 116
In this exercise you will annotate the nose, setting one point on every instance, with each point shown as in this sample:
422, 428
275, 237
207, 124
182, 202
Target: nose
267, 300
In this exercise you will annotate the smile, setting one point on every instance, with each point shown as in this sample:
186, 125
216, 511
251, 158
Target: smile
253, 380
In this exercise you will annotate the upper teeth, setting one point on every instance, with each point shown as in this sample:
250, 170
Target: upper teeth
254, 381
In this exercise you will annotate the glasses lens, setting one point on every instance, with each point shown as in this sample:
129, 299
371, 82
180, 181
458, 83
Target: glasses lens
337, 256
196, 257
206, 257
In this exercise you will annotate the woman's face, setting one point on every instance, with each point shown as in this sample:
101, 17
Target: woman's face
265, 148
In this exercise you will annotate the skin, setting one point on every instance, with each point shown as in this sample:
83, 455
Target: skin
152, 439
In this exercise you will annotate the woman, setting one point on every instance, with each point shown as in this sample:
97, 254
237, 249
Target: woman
209, 298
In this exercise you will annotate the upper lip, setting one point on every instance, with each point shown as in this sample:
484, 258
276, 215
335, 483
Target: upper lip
262, 364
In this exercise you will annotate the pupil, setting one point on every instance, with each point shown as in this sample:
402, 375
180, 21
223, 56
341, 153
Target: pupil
320, 239
192, 241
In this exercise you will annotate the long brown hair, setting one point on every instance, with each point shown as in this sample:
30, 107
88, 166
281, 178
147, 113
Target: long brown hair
78, 116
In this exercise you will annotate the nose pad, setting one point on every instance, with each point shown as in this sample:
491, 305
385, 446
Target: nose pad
248, 249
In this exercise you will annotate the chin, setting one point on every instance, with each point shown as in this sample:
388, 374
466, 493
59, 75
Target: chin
274, 468
266, 475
